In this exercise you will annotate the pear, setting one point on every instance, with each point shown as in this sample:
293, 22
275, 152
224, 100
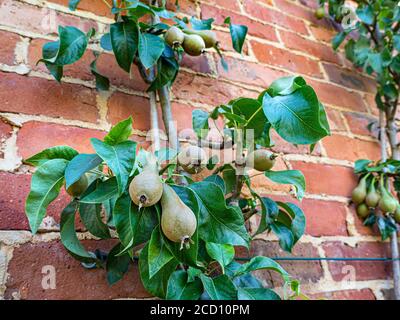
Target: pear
261, 160
209, 37
387, 203
360, 192
320, 13
178, 221
146, 188
362, 210
373, 196
78, 187
396, 214
193, 45
192, 159
174, 37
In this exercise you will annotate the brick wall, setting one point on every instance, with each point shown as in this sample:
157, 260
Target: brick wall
284, 38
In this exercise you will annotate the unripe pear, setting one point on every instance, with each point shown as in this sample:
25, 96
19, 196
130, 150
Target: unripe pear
362, 210
146, 188
209, 37
320, 13
387, 203
360, 192
77, 188
192, 159
373, 196
174, 37
263, 160
396, 214
193, 44
178, 222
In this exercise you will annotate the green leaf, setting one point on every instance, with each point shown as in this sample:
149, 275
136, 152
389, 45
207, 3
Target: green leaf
396, 42
167, 70
102, 82
79, 165
59, 152
219, 288
214, 178
120, 132
68, 235
179, 288
379, 61
117, 265
258, 263
105, 42
158, 254
218, 223
296, 117
285, 86
200, 122
49, 53
246, 280
223, 253
45, 187
293, 177
73, 4
120, 158
198, 24
366, 14
360, 165
124, 41
104, 191
257, 294
157, 285
269, 211
298, 225
252, 111
284, 234
150, 49
238, 35
133, 226
338, 40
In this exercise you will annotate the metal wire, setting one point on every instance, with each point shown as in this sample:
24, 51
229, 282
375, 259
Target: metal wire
322, 259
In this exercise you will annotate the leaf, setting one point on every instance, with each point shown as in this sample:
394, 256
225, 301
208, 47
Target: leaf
124, 41
45, 187
104, 191
91, 217
49, 53
216, 179
269, 211
257, 294
68, 235
217, 222
198, 24
200, 122
219, 288
179, 288
158, 284
246, 280
102, 82
79, 165
285, 86
293, 177
105, 42
133, 226
158, 254
73, 4
258, 263
298, 225
120, 158
117, 265
223, 253
167, 70
250, 110
59, 152
120, 132
338, 40
360, 165
296, 117
366, 14
284, 234
238, 34
150, 49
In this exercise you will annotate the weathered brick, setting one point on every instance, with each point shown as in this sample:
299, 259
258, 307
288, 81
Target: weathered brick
8, 42
185, 6
327, 179
255, 28
322, 34
363, 270
282, 145
359, 224
199, 64
296, 10
363, 294
345, 148
335, 119
5, 130
35, 136
72, 280
99, 8
12, 202
44, 97
283, 58
294, 41
358, 123
272, 16
227, 4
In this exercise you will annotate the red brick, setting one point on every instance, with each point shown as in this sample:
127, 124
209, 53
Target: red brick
298, 11
345, 148
255, 28
99, 8
8, 42
225, 43
327, 179
72, 280
364, 270
322, 34
309, 3
199, 64
38, 96
5, 130
227, 4
282, 58
282, 145
337, 96
363, 294
12, 202
336, 122
358, 123
359, 224
249, 72
35, 136
349, 79
185, 6
34, 19
272, 16
320, 51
